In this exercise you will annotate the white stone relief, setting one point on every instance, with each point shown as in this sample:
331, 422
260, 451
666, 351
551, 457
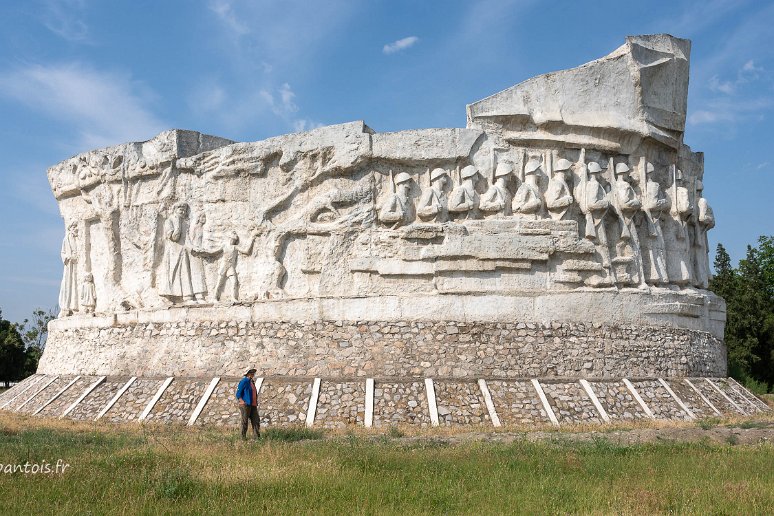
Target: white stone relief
529, 198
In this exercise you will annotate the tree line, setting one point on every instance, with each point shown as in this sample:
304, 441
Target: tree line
21, 345
748, 290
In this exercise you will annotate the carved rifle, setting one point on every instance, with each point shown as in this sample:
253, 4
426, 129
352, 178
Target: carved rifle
625, 233
583, 199
675, 210
643, 177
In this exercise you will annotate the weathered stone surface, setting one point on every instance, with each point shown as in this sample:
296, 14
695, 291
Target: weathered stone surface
130, 405
561, 235
393, 350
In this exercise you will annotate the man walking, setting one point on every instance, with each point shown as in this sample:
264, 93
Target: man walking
247, 396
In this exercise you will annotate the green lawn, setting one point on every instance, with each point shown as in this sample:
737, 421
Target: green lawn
128, 469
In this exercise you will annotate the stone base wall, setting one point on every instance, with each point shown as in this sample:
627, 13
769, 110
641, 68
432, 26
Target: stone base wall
407, 402
384, 350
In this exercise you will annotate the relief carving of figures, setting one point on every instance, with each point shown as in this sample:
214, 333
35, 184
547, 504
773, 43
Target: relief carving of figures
198, 278
68, 293
705, 220
528, 202
498, 198
434, 204
398, 209
626, 205
655, 206
464, 199
677, 238
176, 283
88, 294
558, 195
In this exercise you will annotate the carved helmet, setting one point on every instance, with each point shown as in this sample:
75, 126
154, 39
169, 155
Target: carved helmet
469, 171
533, 165
594, 167
503, 169
621, 168
402, 177
562, 165
436, 173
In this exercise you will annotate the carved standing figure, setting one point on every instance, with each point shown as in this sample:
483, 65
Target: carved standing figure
88, 294
198, 278
528, 202
627, 205
655, 205
597, 204
705, 220
68, 293
464, 200
677, 239
398, 210
434, 204
558, 195
498, 198
176, 281
228, 261
269, 270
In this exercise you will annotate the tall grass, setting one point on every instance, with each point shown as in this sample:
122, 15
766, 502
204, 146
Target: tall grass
160, 470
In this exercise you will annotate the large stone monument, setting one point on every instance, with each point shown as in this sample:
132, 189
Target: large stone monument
533, 266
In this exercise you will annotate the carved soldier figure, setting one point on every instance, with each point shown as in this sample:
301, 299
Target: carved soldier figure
654, 205
626, 205
596, 203
398, 209
528, 202
464, 200
705, 220
198, 278
558, 195
68, 293
677, 239
176, 281
434, 204
498, 198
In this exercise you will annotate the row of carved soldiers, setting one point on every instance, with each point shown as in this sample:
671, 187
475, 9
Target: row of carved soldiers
647, 222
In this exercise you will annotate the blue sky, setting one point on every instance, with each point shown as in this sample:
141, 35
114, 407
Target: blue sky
80, 74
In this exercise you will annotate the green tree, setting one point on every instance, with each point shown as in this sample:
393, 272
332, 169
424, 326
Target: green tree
12, 352
749, 294
34, 331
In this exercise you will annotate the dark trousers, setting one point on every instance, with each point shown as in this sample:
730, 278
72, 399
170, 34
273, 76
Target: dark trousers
250, 413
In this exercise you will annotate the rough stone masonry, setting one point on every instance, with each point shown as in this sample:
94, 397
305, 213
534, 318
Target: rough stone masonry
561, 235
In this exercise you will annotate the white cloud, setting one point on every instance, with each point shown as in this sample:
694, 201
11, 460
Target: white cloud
401, 44
269, 46
64, 18
731, 110
696, 16
726, 87
303, 124
749, 66
286, 105
224, 9
103, 108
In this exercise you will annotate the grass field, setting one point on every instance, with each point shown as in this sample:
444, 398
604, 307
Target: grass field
131, 469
